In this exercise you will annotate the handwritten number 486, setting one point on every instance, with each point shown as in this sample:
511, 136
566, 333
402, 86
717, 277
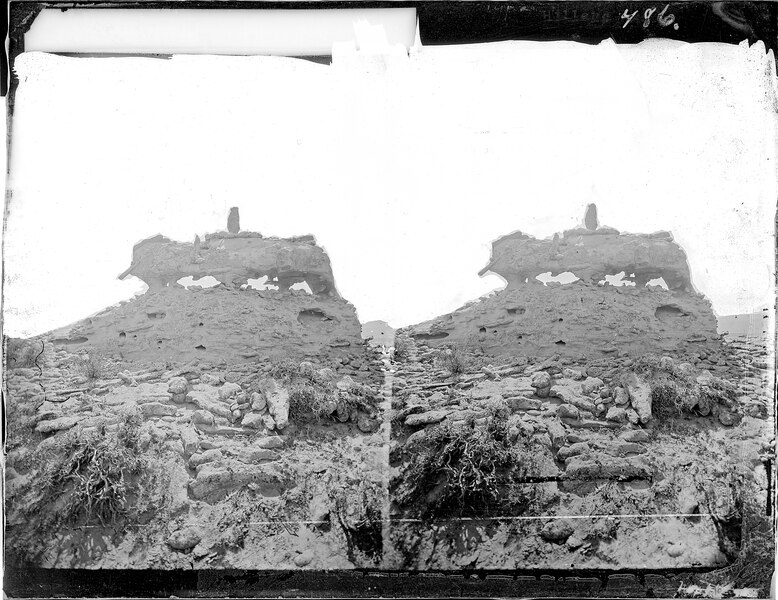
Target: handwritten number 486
664, 19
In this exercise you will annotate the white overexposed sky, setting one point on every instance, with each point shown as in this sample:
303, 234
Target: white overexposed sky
404, 167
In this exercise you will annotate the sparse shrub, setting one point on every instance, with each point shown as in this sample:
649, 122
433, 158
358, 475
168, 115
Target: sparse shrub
313, 390
284, 368
88, 474
495, 406
402, 348
456, 359
91, 364
104, 477
308, 401
676, 391
460, 469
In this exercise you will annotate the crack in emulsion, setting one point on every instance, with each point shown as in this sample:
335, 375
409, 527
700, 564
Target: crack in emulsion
40, 373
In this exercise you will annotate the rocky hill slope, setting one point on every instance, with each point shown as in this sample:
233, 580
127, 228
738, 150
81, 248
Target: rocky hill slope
201, 428
589, 315
583, 426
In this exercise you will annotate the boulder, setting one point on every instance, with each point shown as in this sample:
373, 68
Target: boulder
728, 418
572, 374
157, 409
513, 434
626, 449
557, 531
345, 384
178, 385
257, 455
206, 401
416, 440
253, 420
639, 395
568, 411
201, 458
568, 395
228, 390
190, 440
540, 379
202, 417
302, 560
269, 442
277, 401
209, 379
59, 424
616, 414
557, 433
591, 384
185, 539
232, 376
258, 401
522, 403
426, 418
566, 452
636, 435
620, 396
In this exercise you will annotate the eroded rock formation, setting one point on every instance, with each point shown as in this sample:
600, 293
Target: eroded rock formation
191, 403
233, 259
298, 307
591, 254
589, 314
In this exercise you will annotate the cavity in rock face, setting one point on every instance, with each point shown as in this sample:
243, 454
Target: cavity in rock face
233, 221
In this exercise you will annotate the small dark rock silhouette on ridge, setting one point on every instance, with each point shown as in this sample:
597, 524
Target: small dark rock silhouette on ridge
233, 221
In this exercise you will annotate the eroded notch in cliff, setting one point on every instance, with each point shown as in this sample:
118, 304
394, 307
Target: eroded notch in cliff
669, 312
313, 316
430, 336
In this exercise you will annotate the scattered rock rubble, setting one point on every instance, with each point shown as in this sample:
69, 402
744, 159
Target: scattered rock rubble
637, 432
233, 476
596, 449
275, 438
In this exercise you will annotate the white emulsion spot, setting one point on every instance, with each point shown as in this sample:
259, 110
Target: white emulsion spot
563, 278
617, 280
205, 282
659, 281
261, 284
303, 285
